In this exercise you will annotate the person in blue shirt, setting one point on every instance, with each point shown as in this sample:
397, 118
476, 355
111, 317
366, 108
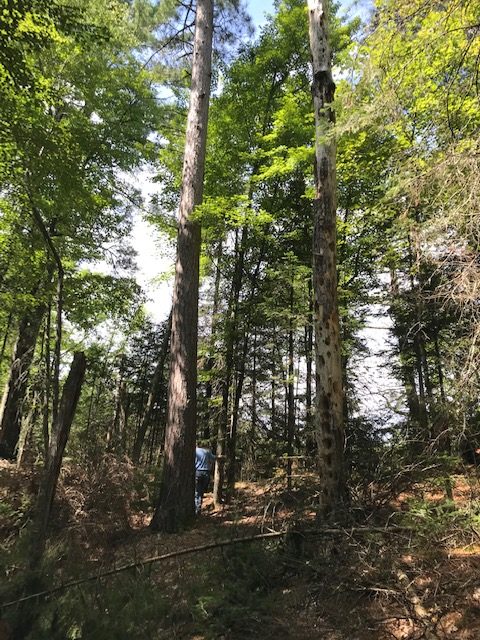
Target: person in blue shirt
204, 463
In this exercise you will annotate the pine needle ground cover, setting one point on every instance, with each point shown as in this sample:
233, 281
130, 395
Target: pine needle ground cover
406, 570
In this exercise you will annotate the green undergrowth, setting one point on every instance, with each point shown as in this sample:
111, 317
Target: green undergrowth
227, 593
237, 593
435, 520
123, 607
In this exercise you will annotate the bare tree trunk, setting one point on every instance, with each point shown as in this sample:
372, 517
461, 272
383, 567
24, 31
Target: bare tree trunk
155, 389
59, 437
58, 344
46, 384
117, 424
414, 258
219, 473
423, 415
16, 387
443, 423
291, 396
90, 409
176, 503
329, 422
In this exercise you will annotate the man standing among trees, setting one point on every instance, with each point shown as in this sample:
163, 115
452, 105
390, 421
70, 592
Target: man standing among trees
204, 463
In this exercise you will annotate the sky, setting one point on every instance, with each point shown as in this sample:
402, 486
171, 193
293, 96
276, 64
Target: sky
257, 9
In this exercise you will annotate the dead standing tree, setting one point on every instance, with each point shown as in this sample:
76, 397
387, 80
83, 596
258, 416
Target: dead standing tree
176, 502
328, 419
58, 441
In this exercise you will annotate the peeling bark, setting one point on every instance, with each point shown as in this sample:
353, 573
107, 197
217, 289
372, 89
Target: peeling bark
329, 420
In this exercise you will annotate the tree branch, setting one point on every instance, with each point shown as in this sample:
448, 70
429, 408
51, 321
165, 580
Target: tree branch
204, 547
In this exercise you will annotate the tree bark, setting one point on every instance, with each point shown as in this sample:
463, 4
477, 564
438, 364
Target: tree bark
176, 503
291, 396
59, 437
5, 338
414, 258
46, 383
16, 387
273, 394
423, 414
329, 423
310, 444
27, 427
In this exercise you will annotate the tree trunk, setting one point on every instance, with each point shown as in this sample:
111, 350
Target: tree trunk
232, 440
211, 417
414, 259
117, 440
176, 503
27, 427
232, 437
291, 396
59, 437
117, 426
423, 415
155, 389
438, 365
442, 431
273, 395
310, 445
252, 445
230, 337
16, 387
5, 338
407, 372
46, 383
329, 423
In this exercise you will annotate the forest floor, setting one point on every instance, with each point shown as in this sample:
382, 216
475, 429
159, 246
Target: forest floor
405, 568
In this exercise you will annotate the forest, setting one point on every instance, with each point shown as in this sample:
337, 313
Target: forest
305, 353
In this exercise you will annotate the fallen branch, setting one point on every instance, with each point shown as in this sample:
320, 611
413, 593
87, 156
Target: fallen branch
143, 563
203, 547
